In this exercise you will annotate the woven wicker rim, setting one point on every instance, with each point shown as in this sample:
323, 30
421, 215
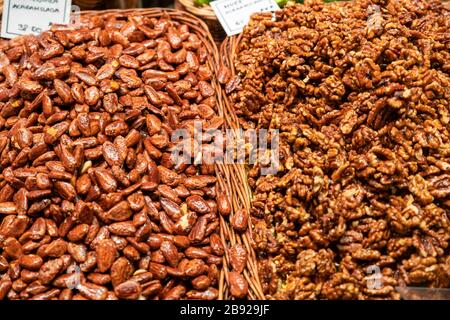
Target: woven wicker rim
204, 11
227, 183
238, 181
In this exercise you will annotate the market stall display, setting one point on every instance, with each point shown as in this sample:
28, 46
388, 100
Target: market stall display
359, 92
94, 205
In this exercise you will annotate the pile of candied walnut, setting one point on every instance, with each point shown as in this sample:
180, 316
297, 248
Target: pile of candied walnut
360, 94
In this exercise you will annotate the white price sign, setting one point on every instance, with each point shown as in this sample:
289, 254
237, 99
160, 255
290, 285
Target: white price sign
235, 14
33, 16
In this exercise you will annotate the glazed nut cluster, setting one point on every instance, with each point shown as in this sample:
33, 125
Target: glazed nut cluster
359, 92
92, 205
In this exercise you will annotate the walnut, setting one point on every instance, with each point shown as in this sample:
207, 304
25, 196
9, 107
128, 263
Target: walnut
359, 93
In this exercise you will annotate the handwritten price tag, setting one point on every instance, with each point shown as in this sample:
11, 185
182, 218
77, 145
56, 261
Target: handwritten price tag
235, 14
33, 16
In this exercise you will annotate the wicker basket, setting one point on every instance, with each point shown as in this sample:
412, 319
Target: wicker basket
238, 174
227, 183
206, 14
228, 175
225, 173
